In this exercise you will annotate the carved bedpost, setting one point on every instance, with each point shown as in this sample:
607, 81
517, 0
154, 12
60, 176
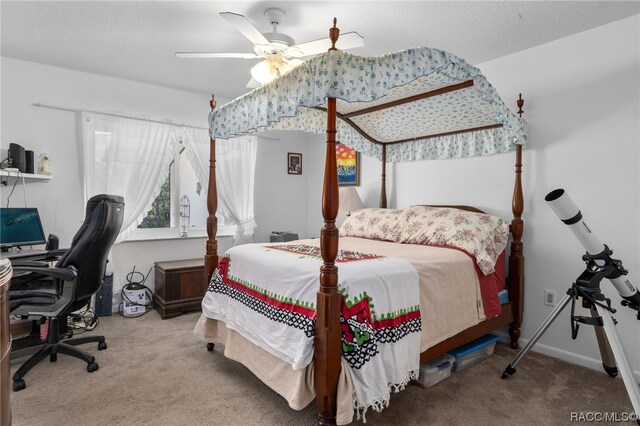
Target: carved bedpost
328, 333
383, 179
327, 349
516, 258
211, 258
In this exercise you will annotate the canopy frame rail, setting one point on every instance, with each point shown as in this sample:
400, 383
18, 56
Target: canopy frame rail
449, 133
409, 99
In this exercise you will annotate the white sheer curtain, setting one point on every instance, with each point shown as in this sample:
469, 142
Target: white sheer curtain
196, 144
235, 177
126, 157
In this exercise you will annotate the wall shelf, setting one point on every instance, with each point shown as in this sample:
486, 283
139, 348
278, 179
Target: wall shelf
27, 176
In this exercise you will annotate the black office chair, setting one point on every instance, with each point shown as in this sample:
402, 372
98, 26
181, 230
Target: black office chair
54, 292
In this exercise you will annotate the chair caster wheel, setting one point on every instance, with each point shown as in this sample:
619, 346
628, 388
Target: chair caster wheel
210, 347
53, 357
18, 385
102, 346
93, 366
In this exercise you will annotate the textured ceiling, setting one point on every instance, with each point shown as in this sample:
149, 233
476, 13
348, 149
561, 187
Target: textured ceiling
136, 40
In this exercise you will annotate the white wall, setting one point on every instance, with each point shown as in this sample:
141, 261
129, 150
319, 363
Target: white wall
317, 151
60, 200
582, 103
281, 200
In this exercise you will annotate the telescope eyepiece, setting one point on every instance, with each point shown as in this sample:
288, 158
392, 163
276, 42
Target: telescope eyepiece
554, 195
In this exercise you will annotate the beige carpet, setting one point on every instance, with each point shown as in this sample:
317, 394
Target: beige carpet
155, 372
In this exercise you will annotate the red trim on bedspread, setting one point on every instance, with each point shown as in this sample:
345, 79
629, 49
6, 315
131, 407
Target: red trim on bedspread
223, 268
393, 322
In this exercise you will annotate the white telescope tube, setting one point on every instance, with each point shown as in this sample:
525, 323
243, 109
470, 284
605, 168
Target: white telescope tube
568, 212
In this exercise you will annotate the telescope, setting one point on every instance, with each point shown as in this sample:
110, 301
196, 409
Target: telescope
570, 215
599, 265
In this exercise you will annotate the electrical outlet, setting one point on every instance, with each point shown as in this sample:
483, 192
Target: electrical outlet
550, 297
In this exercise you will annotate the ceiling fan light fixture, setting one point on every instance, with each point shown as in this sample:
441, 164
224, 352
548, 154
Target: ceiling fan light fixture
263, 72
272, 68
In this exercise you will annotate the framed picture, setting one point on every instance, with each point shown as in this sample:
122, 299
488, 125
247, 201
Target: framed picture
348, 166
294, 163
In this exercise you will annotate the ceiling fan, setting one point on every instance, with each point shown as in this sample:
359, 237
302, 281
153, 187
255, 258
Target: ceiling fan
279, 51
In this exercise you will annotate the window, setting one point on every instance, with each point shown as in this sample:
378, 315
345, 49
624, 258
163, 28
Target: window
195, 191
121, 153
127, 157
160, 214
163, 219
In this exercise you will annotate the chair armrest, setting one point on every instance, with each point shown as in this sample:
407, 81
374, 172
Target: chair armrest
29, 263
66, 274
66, 282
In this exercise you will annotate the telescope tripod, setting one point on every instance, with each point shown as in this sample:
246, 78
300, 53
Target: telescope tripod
587, 288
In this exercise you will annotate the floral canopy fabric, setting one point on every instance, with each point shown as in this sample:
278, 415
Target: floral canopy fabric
420, 103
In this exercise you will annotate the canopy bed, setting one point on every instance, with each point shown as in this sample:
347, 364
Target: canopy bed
410, 105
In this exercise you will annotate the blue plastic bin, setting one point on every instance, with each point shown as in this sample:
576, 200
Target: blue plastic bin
473, 352
503, 295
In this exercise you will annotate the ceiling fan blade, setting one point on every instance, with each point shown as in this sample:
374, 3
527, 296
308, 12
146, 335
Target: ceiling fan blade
247, 29
349, 40
217, 55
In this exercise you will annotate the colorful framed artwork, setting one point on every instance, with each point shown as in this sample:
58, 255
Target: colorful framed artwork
348, 165
294, 163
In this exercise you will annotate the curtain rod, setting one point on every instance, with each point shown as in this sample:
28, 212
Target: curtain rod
60, 108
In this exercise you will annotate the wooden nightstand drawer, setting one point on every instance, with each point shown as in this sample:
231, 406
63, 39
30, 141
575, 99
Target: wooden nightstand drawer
180, 286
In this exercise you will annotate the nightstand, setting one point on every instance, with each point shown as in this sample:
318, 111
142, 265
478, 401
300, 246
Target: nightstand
180, 286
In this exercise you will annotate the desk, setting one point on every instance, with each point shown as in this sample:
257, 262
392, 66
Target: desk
34, 255
5, 343
180, 286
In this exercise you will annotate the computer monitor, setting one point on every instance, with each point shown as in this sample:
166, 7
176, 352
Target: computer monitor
20, 227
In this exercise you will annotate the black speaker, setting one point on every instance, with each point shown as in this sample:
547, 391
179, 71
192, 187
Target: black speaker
53, 242
16, 153
28, 155
104, 296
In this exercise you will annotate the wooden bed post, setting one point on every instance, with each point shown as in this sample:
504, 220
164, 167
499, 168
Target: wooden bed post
211, 257
327, 348
516, 258
383, 179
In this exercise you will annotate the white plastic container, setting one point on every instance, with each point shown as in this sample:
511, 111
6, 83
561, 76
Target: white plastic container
473, 352
45, 165
435, 370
